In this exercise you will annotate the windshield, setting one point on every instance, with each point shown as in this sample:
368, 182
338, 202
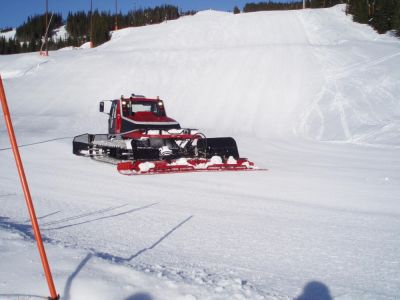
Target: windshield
129, 108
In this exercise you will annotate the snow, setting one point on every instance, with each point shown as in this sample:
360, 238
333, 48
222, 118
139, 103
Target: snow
146, 166
85, 46
9, 34
309, 95
231, 161
60, 33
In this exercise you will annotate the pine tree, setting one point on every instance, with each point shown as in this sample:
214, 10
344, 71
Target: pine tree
396, 17
381, 19
2, 45
360, 10
236, 10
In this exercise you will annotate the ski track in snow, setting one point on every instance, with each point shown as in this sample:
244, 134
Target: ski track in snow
309, 95
340, 76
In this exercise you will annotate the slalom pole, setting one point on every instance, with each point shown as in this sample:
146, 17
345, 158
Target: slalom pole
27, 194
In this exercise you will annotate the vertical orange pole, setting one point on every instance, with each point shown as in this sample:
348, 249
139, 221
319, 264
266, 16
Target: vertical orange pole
91, 24
116, 15
27, 194
47, 25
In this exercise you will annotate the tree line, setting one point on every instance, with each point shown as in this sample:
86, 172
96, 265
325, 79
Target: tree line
270, 5
30, 35
79, 23
382, 15
5, 29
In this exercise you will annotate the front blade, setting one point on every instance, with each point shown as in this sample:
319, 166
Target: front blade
183, 165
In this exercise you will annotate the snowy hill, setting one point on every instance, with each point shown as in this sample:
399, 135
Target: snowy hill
8, 34
309, 73
283, 84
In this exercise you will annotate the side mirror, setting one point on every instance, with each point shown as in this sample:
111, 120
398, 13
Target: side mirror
101, 106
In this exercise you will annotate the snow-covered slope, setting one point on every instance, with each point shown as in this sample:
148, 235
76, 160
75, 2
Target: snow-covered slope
358, 101
281, 83
8, 34
60, 33
312, 73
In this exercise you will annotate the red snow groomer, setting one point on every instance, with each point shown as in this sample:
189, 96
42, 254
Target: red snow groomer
141, 139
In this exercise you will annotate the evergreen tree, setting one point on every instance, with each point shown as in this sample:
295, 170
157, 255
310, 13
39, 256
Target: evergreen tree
5, 29
35, 27
396, 17
32, 47
317, 3
383, 15
2, 44
24, 47
360, 10
263, 6
30, 34
236, 10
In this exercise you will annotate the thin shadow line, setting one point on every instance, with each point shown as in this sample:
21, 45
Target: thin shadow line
36, 143
101, 218
84, 215
23, 295
119, 259
68, 284
6, 195
45, 216
160, 240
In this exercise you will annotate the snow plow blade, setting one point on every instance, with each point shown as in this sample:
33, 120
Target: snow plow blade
185, 165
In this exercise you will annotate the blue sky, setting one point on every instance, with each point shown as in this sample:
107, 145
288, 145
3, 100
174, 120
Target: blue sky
14, 12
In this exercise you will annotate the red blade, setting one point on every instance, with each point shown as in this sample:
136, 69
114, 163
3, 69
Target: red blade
184, 166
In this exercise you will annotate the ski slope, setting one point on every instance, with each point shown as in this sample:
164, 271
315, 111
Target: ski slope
310, 95
8, 34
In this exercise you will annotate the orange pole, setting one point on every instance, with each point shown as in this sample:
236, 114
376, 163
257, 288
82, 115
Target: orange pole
47, 26
91, 24
27, 194
116, 15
